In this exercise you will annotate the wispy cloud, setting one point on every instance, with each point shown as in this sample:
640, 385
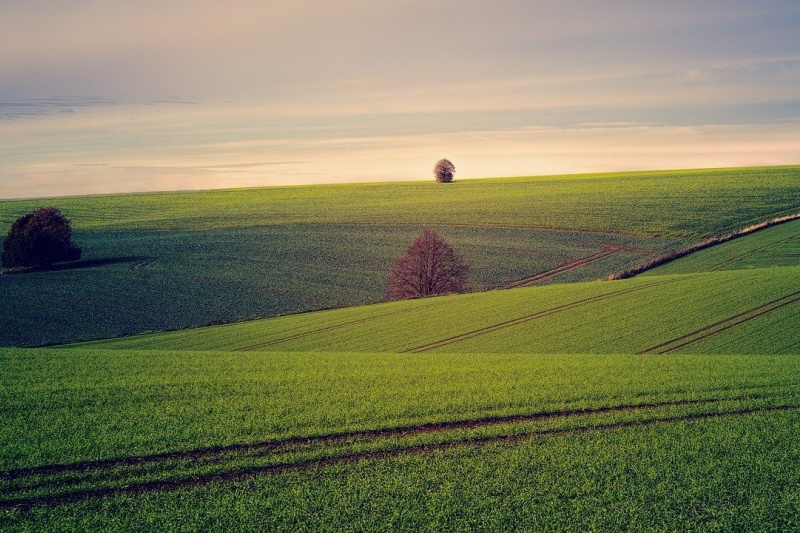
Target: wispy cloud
201, 93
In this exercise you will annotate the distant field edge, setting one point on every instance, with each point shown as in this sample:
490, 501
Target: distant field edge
629, 173
701, 245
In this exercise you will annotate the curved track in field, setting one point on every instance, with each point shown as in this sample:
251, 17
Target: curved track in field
340, 325
527, 318
608, 250
112, 471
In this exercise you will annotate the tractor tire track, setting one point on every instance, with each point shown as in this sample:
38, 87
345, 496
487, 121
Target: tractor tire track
419, 449
723, 325
325, 329
566, 267
730, 261
333, 438
142, 267
608, 250
533, 316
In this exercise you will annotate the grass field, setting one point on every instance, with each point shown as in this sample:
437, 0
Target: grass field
770, 247
668, 401
176, 280
111, 428
175, 260
726, 473
672, 204
628, 316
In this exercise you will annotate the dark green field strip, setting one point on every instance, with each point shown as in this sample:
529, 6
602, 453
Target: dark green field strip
724, 325
569, 266
533, 316
627, 316
186, 471
213, 276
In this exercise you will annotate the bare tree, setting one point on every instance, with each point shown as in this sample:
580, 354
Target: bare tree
430, 266
443, 171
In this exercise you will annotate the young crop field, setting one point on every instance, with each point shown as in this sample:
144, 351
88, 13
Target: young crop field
775, 246
667, 401
168, 261
75, 434
717, 473
139, 281
645, 314
672, 204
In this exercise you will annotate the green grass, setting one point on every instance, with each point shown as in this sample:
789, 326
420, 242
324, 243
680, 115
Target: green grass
78, 405
627, 316
526, 409
68, 406
677, 204
726, 474
775, 246
175, 260
175, 280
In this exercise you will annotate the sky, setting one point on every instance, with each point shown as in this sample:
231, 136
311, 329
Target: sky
105, 96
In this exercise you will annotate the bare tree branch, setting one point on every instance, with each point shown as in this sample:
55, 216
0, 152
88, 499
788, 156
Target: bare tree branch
430, 266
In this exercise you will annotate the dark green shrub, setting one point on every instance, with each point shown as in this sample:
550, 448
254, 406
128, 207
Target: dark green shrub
40, 238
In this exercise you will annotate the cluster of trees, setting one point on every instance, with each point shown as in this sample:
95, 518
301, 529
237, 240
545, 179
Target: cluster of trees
39, 239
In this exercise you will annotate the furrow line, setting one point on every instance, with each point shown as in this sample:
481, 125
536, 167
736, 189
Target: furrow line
568, 267
420, 449
731, 326
663, 345
528, 318
754, 251
325, 329
332, 438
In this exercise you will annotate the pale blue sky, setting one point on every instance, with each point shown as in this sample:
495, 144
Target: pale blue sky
112, 96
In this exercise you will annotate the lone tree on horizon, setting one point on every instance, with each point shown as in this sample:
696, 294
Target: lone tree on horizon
443, 171
429, 267
40, 238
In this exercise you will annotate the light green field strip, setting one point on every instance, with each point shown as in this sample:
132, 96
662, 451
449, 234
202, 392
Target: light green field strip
628, 316
719, 474
674, 204
58, 484
775, 246
80, 405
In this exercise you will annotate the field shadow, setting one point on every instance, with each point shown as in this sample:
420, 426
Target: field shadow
88, 263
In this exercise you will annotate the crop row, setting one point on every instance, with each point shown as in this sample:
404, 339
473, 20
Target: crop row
65, 406
627, 316
717, 472
672, 203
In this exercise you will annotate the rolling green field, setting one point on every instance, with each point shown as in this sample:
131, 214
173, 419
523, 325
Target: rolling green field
139, 436
174, 260
668, 401
137, 281
770, 247
712, 312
